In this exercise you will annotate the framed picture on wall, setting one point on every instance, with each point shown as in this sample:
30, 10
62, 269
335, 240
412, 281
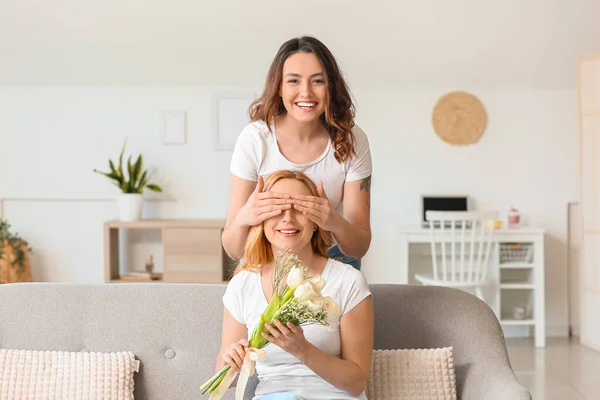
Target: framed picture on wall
230, 116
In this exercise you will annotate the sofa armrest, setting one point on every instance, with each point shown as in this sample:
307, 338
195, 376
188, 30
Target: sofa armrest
490, 380
427, 317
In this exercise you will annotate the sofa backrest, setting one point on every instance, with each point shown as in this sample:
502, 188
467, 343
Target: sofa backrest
174, 329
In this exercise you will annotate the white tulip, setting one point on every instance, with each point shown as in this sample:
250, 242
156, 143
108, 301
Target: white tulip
304, 291
315, 303
332, 323
318, 283
331, 307
295, 277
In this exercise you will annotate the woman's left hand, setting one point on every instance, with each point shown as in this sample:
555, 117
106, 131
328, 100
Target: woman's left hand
289, 337
317, 209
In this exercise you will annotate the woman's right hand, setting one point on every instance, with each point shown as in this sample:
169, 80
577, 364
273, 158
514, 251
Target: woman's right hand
235, 354
261, 206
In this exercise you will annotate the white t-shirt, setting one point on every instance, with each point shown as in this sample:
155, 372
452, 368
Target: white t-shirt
279, 371
256, 153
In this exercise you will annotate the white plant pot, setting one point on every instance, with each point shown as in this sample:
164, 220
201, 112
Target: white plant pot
130, 206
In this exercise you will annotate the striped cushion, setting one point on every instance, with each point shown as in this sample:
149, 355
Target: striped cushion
29, 374
411, 374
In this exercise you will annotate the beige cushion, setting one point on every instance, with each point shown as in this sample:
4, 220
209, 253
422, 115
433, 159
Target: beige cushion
412, 374
28, 374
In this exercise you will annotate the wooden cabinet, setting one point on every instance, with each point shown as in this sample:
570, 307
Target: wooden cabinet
192, 250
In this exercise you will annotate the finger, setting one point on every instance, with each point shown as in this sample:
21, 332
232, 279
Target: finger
244, 342
312, 199
269, 195
282, 328
308, 204
321, 190
270, 338
309, 212
237, 359
264, 209
240, 351
294, 328
273, 202
317, 221
274, 332
266, 216
260, 184
230, 359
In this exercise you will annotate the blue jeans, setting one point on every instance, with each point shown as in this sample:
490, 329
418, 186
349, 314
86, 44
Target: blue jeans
281, 396
335, 253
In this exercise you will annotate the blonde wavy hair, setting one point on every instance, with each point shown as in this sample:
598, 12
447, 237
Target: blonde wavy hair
257, 249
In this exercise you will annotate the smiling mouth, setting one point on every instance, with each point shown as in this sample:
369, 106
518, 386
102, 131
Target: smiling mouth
306, 105
288, 232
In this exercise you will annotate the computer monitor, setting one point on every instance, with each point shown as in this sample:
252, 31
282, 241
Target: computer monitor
443, 203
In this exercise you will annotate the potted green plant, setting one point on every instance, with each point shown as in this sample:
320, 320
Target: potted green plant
15, 265
132, 183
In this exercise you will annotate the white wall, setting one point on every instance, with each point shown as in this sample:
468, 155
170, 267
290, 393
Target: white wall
55, 136
79, 77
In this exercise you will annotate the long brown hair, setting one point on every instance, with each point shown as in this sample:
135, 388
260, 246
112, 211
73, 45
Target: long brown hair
338, 117
257, 250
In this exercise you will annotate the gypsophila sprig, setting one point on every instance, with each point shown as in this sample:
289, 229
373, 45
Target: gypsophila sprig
300, 313
297, 298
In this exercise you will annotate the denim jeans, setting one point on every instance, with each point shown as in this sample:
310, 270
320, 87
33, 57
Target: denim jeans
335, 253
281, 396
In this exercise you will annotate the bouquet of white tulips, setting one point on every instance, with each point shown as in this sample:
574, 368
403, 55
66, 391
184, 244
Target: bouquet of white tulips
297, 298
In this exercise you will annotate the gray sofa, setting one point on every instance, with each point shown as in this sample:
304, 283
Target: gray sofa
174, 330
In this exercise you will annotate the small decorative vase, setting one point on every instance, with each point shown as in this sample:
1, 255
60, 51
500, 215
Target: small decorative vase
130, 206
514, 217
150, 265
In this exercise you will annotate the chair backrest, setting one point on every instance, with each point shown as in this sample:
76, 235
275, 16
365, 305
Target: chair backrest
466, 230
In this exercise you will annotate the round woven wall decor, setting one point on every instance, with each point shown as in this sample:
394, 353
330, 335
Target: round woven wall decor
459, 118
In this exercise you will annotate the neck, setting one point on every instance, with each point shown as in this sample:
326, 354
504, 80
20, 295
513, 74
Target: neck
307, 256
291, 127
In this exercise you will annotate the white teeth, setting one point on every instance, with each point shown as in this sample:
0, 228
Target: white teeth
306, 105
282, 231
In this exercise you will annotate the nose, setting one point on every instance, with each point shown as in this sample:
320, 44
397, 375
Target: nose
305, 88
289, 215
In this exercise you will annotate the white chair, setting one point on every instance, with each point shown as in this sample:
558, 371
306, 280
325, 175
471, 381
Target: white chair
467, 239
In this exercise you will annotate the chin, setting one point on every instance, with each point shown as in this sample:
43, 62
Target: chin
294, 246
306, 117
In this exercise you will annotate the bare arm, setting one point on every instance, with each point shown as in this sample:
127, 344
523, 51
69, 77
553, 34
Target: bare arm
233, 334
234, 234
353, 230
350, 372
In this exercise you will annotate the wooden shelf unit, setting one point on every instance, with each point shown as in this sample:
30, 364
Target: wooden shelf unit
192, 250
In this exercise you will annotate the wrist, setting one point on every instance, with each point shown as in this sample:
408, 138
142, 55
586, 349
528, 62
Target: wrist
239, 223
303, 353
337, 223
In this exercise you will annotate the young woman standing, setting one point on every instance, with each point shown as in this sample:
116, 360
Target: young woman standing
303, 121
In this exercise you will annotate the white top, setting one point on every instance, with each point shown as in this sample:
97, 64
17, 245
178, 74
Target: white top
279, 371
256, 153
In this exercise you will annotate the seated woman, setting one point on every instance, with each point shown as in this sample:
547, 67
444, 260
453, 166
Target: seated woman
309, 361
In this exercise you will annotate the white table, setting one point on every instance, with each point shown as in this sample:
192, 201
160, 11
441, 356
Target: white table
505, 289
